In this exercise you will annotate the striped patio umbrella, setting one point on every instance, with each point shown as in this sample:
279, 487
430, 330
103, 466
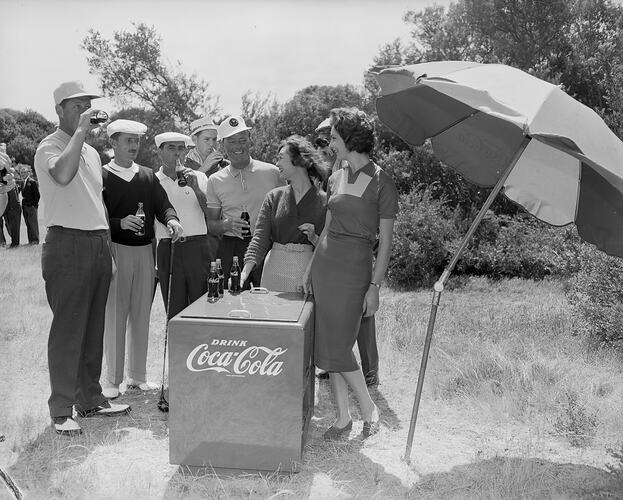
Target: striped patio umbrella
503, 128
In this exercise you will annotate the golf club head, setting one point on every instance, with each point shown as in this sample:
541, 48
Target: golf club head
163, 405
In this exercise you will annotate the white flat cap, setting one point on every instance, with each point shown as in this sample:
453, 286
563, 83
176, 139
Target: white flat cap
230, 126
172, 137
326, 123
127, 127
202, 124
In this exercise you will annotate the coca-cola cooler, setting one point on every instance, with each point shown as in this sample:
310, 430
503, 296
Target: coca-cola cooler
241, 383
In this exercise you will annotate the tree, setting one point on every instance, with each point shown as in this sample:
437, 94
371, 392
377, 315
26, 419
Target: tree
22, 131
309, 106
263, 114
131, 71
576, 43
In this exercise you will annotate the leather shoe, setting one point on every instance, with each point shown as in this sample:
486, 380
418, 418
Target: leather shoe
143, 386
106, 409
372, 379
372, 426
334, 432
66, 426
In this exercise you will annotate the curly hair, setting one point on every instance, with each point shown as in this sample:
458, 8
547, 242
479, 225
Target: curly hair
355, 128
305, 155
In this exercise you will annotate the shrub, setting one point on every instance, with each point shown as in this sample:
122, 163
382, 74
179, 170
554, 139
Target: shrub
520, 246
575, 422
597, 292
421, 232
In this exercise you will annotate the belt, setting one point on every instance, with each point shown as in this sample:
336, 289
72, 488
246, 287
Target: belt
184, 239
71, 230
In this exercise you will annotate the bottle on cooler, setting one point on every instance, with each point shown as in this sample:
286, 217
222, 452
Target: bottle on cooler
140, 213
213, 283
221, 278
234, 276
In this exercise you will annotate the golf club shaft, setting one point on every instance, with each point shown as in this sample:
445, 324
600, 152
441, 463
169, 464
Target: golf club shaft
166, 328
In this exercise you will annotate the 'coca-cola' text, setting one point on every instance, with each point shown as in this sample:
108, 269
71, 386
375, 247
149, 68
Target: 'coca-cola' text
253, 360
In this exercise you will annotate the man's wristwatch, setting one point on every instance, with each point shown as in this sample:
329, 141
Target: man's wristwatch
375, 284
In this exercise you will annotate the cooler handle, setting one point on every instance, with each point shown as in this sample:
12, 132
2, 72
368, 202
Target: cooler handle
239, 313
259, 289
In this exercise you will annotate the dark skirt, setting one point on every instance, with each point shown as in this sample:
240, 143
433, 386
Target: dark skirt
341, 273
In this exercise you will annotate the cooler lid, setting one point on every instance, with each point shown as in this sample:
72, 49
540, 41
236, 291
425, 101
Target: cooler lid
253, 305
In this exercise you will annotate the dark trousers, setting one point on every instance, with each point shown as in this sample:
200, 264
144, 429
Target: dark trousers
32, 223
13, 220
230, 246
366, 342
76, 268
189, 278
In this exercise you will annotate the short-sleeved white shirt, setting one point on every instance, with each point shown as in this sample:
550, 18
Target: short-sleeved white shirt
231, 188
79, 204
186, 205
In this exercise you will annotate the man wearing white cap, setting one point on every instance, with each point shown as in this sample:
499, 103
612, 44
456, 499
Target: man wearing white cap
366, 338
192, 253
130, 188
76, 261
242, 184
204, 157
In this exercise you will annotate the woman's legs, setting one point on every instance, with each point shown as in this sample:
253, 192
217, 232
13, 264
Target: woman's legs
357, 382
340, 392
340, 381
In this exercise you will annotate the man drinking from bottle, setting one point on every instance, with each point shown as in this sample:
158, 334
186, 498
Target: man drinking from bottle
186, 190
134, 198
75, 260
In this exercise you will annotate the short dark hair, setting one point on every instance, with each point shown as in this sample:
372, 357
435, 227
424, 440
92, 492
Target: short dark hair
305, 155
355, 129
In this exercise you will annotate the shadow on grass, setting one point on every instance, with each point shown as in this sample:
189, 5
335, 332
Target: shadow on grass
516, 477
329, 469
50, 455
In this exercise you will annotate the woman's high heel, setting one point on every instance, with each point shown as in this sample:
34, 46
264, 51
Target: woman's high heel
335, 432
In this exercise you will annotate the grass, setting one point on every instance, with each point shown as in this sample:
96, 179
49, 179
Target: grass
515, 405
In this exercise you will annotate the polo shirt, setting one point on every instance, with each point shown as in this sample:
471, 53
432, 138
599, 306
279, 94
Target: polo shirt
231, 188
79, 204
185, 203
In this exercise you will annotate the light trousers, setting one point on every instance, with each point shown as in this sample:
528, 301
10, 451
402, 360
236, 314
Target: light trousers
128, 310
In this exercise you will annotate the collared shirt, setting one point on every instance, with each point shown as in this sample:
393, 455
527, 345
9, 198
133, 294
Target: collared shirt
79, 204
186, 205
127, 174
231, 188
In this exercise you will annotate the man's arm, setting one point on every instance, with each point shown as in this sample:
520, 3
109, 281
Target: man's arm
64, 169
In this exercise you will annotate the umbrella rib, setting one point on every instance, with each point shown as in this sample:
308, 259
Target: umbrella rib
475, 112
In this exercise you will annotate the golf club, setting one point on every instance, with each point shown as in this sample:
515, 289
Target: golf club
163, 404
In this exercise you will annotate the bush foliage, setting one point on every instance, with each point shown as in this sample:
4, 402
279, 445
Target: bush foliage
597, 292
428, 231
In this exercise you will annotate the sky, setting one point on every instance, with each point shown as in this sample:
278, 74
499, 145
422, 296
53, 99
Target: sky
266, 46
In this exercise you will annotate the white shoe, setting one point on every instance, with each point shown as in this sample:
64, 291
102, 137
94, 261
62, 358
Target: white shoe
110, 391
143, 386
66, 426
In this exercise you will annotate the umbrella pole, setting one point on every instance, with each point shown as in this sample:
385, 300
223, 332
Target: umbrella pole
439, 286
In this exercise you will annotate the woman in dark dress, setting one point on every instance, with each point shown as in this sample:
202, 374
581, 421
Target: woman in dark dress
362, 199
289, 218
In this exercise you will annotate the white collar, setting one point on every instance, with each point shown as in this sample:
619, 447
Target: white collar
127, 174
